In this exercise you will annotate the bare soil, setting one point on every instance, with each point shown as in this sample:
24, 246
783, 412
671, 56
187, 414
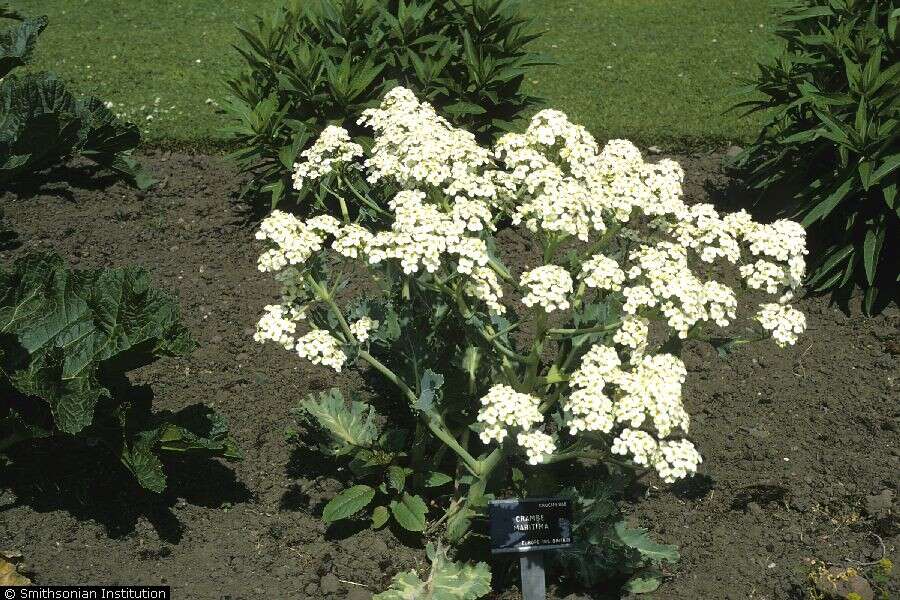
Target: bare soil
800, 444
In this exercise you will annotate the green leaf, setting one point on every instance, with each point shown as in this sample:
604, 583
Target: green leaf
447, 580
430, 384
348, 503
69, 324
887, 167
644, 583
380, 516
410, 512
464, 108
17, 43
824, 208
435, 479
397, 476
68, 340
872, 249
638, 539
348, 427
197, 429
459, 524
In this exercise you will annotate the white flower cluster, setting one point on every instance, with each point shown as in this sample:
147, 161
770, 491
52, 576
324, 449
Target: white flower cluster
294, 241
362, 328
603, 273
332, 148
320, 347
672, 459
415, 147
588, 408
783, 321
663, 279
604, 394
537, 445
554, 180
278, 324
548, 286
503, 407
633, 333
781, 247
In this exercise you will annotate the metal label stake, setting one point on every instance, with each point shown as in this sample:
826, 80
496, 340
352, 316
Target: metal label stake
529, 527
534, 580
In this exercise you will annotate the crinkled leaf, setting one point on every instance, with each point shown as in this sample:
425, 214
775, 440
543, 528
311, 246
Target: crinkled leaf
397, 476
644, 582
17, 43
349, 426
80, 331
447, 580
638, 539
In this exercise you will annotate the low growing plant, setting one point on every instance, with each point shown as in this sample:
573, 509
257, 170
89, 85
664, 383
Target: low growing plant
830, 149
446, 580
318, 63
42, 123
563, 346
68, 339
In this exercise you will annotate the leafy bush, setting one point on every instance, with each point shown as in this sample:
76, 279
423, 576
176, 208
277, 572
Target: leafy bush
67, 340
605, 547
42, 123
831, 144
322, 62
574, 356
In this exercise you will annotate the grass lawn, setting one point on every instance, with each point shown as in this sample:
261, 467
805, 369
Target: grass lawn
655, 71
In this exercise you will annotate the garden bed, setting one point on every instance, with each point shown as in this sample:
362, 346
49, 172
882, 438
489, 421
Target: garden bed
799, 443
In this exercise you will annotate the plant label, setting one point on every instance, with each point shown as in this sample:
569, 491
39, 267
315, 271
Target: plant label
530, 525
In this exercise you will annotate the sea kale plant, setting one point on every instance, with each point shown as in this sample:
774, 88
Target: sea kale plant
829, 150
322, 62
67, 341
559, 344
42, 123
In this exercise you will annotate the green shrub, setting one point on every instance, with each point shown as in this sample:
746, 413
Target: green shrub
322, 62
67, 340
42, 123
831, 144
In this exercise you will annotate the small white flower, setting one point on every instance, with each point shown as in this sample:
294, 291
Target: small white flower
362, 328
548, 286
320, 347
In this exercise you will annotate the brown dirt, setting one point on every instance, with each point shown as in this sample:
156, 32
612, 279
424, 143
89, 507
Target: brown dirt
797, 442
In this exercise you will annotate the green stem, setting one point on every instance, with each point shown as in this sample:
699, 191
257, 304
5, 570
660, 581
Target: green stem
433, 424
328, 299
367, 201
574, 332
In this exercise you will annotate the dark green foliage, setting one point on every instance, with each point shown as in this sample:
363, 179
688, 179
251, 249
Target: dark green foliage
350, 432
67, 340
322, 62
43, 124
831, 144
606, 548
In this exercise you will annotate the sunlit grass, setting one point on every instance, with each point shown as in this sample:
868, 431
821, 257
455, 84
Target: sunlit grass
655, 71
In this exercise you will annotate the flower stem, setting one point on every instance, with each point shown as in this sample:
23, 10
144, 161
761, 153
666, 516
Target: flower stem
574, 332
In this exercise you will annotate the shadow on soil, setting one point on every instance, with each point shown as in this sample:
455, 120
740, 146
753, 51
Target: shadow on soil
62, 181
82, 477
89, 484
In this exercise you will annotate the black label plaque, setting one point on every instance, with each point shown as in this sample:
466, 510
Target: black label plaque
530, 525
